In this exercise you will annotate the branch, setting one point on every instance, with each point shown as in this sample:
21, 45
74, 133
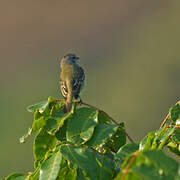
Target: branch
165, 120
127, 169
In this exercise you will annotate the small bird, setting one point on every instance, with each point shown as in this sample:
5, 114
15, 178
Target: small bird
72, 79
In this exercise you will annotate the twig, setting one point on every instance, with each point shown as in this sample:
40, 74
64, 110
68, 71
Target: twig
59, 99
126, 170
115, 122
165, 120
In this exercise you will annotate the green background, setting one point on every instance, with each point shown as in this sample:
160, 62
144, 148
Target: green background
130, 51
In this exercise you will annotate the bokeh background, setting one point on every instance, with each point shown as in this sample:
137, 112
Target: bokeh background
129, 49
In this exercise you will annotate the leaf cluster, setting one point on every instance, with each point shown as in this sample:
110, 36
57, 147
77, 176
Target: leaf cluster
85, 144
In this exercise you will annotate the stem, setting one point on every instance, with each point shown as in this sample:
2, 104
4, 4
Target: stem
164, 142
126, 170
165, 120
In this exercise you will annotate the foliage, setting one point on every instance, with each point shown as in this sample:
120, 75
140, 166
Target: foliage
85, 144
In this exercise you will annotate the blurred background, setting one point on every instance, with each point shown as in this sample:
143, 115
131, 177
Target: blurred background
129, 49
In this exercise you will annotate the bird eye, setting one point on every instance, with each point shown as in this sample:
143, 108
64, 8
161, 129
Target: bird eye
74, 57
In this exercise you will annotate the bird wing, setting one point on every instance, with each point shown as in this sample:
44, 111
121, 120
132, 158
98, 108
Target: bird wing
78, 82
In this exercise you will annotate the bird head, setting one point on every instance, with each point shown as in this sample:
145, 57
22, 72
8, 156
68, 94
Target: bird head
72, 58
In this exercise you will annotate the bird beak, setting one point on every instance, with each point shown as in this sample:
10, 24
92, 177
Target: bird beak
77, 58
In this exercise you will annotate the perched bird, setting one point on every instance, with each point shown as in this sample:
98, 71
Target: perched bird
72, 79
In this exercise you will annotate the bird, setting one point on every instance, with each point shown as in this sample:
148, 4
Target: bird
72, 78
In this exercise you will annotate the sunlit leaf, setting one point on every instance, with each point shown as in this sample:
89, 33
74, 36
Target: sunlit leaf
174, 148
37, 124
43, 142
42, 106
147, 141
163, 139
125, 150
50, 168
102, 133
34, 107
175, 113
56, 121
157, 139
81, 125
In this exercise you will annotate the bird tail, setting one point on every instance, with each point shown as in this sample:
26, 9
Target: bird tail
68, 104
67, 107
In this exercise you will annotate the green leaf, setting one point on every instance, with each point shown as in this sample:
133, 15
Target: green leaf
117, 140
17, 176
149, 172
67, 173
165, 137
159, 135
175, 113
43, 142
35, 107
162, 161
150, 164
126, 150
61, 133
157, 139
102, 133
176, 136
103, 118
50, 168
147, 141
35, 174
48, 107
56, 120
123, 153
81, 175
95, 165
37, 124
43, 106
81, 125
174, 148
